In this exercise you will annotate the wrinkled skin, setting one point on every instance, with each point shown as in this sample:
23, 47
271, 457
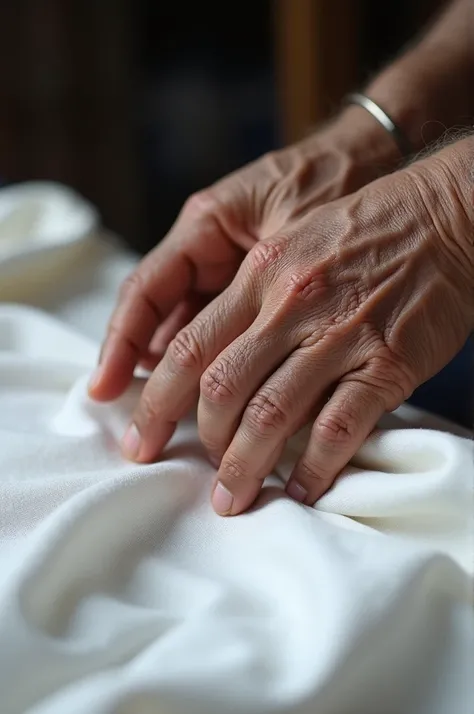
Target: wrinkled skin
217, 227
325, 312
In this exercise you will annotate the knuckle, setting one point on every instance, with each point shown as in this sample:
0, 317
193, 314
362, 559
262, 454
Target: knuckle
213, 448
303, 285
233, 469
136, 288
200, 203
389, 381
216, 384
279, 164
116, 332
211, 444
313, 471
147, 409
337, 429
266, 414
132, 284
267, 253
185, 351
272, 158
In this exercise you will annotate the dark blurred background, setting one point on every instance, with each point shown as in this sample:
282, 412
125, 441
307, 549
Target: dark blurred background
137, 104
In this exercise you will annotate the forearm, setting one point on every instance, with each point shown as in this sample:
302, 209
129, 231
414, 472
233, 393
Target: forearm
430, 88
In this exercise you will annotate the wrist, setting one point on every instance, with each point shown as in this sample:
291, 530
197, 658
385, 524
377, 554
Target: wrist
410, 100
446, 184
366, 148
366, 140
428, 89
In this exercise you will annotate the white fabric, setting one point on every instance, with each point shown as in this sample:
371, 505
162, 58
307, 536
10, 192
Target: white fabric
121, 592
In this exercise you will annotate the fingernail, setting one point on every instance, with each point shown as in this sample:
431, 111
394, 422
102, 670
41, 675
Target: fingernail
94, 378
296, 491
131, 442
222, 500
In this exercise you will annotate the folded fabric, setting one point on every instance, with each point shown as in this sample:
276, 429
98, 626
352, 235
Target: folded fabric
43, 229
122, 592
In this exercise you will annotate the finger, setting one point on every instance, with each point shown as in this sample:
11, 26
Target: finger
232, 378
281, 406
174, 386
183, 313
159, 283
338, 432
237, 373
252, 381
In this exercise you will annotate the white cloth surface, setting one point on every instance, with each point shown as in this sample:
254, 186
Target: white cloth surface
122, 592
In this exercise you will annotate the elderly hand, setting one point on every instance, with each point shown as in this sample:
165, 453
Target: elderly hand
217, 227
336, 318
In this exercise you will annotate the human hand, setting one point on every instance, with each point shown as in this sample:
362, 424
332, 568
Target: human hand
217, 227
337, 318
